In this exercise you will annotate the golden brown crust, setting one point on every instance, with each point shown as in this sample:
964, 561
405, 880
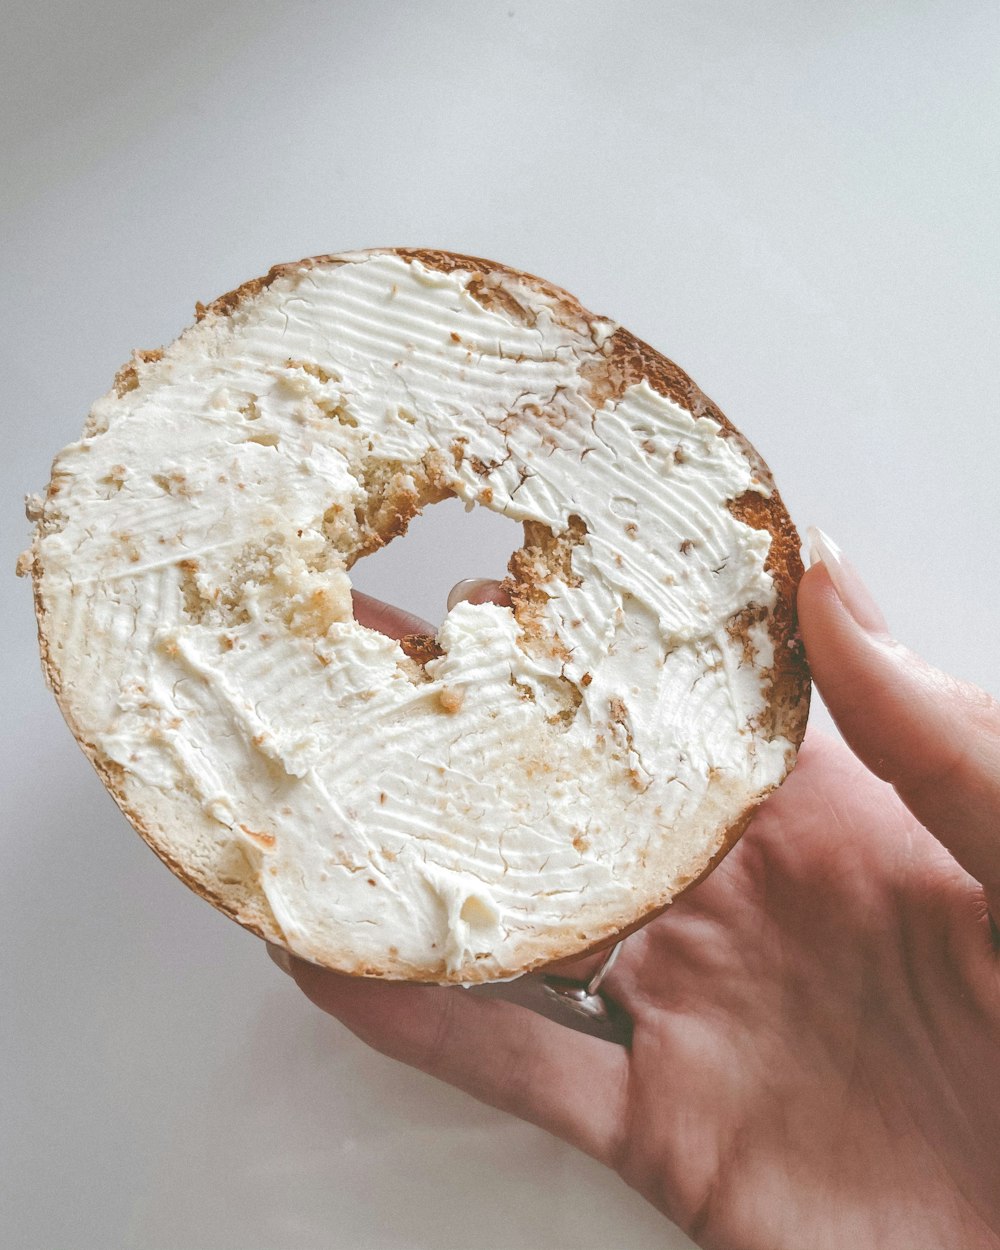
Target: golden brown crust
225, 305
421, 647
626, 360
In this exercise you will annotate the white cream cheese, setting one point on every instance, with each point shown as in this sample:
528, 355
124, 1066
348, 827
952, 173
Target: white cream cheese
194, 573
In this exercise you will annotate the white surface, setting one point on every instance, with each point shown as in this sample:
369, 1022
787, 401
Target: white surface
795, 200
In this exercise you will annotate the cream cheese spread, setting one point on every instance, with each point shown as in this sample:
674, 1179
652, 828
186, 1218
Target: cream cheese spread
549, 776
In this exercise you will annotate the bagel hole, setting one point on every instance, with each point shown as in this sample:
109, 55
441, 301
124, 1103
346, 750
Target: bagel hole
443, 545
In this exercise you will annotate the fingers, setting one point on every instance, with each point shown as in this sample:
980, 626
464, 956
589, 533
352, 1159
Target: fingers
595, 970
566, 1082
393, 622
937, 740
477, 590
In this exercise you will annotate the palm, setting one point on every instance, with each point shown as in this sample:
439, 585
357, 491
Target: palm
817, 1032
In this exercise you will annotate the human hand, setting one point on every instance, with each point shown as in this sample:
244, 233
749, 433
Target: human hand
815, 1058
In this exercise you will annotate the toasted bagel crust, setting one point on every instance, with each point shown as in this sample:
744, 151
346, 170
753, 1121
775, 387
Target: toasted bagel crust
233, 885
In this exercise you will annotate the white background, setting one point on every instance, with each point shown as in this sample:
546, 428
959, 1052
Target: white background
796, 199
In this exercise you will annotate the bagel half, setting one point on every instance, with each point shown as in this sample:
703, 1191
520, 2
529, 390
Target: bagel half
525, 786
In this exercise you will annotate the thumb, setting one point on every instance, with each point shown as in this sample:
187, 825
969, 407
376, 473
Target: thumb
935, 739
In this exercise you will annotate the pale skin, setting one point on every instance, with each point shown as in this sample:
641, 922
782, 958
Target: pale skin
815, 1056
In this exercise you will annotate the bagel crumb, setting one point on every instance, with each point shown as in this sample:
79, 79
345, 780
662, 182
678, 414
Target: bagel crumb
266, 841
450, 700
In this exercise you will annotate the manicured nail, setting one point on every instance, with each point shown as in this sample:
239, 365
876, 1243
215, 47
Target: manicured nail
464, 590
281, 958
853, 593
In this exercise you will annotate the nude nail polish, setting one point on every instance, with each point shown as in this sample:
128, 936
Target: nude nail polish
851, 590
281, 958
465, 589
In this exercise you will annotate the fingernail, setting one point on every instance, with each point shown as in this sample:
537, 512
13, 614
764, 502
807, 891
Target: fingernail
464, 590
851, 590
281, 958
